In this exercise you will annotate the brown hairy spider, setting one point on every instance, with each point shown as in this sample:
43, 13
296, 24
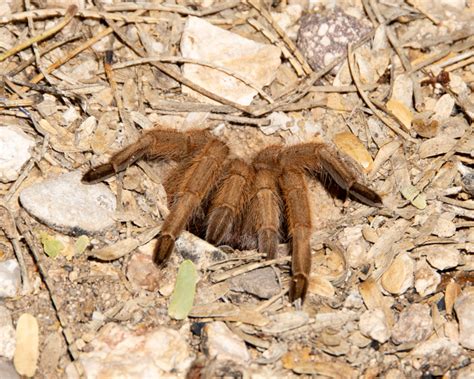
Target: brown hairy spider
242, 202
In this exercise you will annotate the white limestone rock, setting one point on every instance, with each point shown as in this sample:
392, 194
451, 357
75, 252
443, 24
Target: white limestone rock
15, 151
255, 62
373, 324
65, 204
10, 278
118, 352
7, 334
464, 307
221, 344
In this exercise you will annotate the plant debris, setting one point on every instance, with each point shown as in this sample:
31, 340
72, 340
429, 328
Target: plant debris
388, 83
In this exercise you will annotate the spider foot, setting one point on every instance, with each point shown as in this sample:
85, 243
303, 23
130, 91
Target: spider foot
366, 195
163, 249
299, 287
99, 173
268, 243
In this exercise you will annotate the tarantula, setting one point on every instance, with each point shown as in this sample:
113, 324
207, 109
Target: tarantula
242, 201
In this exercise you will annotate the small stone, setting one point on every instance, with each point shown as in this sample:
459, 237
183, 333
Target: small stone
142, 272
464, 307
441, 257
199, 251
10, 278
119, 352
256, 62
15, 151
444, 107
426, 279
373, 324
466, 372
67, 205
221, 344
324, 37
436, 356
7, 370
261, 282
444, 228
399, 276
414, 324
7, 334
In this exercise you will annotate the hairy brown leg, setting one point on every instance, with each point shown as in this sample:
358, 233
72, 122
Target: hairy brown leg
196, 184
295, 194
157, 143
343, 175
265, 211
228, 203
320, 158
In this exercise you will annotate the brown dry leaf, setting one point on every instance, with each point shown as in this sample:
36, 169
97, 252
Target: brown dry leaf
399, 276
452, 292
302, 362
229, 312
426, 128
27, 345
321, 286
401, 112
351, 145
374, 299
117, 250
436, 146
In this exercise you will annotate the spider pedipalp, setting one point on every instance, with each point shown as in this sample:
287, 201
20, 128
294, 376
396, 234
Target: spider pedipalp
244, 202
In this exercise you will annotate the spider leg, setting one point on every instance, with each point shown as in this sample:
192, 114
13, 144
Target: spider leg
265, 209
228, 203
320, 158
158, 143
344, 176
295, 193
198, 180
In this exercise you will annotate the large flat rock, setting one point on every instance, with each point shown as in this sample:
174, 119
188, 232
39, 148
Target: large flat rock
65, 204
250, 60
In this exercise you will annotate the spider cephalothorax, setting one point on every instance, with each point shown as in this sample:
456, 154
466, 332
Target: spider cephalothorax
243, 201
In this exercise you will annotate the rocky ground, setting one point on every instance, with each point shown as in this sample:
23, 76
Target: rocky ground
387, 83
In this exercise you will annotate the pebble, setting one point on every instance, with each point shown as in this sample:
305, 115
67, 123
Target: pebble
414, 324
120, 352
221, 344
444, 228
15, 151
200, 252
436, 356
324, 37
10, 278
7, 371
261, 282
373, 324
256, 62
441, 257
426, 279
464, 307
68, 206
7, 334
399, 276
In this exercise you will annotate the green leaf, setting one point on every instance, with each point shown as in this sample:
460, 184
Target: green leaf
182, 298
52, 247
81, 244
